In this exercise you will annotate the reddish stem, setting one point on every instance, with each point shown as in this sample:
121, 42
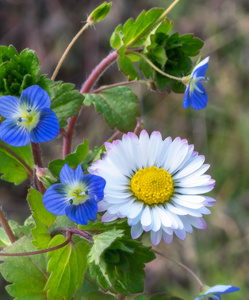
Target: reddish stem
69, 235
38, 162
7, 228
96, 73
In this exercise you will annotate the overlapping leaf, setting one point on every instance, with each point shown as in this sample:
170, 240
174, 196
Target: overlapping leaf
118, 262
43, 220
12, 168
67, 266
118, 105
26, 273
73, 159
134, 33
19, 71
66, 101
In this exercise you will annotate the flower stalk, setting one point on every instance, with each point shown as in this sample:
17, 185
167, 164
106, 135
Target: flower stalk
96, 73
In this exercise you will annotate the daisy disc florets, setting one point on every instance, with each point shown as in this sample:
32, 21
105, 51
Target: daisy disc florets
195, 94
28, 118
76, 195
156, 184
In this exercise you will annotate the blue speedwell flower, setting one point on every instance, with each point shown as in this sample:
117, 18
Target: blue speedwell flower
28, 118
214, 292
195, 94
76, 195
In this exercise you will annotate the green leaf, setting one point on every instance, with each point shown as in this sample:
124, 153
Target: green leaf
119, 106
18, 230
12, 169
43, 219
26, 273
134, 33
17, 71
118, 262
127, 67
190, 45
73, 159
99, 13
85, 288
67, 266
101, 243
66, 101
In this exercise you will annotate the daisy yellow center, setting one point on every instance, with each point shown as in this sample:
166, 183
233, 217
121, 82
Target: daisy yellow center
152, 185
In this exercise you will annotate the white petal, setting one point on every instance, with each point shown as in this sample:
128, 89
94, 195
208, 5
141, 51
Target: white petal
108, 217
195, 190
136, 231
154, 148
146, 216
156, 220
163, 152
167, 238
156, 237
191, 167
144, 142
136, 210
180, 233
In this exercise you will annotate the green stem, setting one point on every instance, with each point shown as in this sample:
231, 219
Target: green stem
40, 251
6, 227
181, 265
26, 166
67, 50
152, 65
154, 24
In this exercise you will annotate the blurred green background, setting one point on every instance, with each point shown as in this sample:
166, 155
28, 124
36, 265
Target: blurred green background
220, 132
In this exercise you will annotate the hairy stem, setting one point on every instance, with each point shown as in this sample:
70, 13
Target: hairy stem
6, 227
26, 166
153, 66
38, 162
104, 64
181, 265
67, 50
40, 251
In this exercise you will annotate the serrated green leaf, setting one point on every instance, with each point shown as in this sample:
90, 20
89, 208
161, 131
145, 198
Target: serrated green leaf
13, 170
135, 33
26, 273
66, 101
17, 71
43, 219
190, 45
73, 159
67, 266
18, 231
99, 13
101, 243
86, 287
119, 106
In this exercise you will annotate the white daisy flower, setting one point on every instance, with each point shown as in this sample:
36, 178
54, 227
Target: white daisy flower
156, 184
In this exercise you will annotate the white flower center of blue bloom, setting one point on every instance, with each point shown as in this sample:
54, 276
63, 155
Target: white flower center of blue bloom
29, 118
77, 194
193, 85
